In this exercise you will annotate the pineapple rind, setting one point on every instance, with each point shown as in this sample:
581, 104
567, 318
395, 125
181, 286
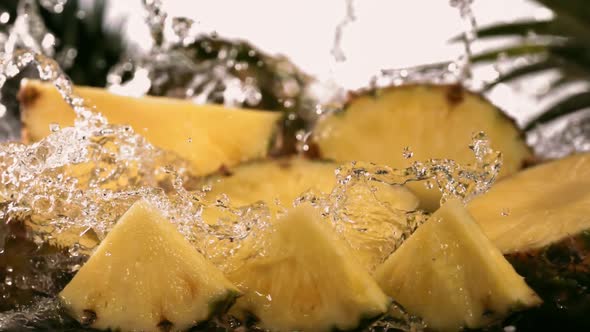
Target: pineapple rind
559, 274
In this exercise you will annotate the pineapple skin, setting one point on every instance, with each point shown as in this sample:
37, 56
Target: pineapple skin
560, 274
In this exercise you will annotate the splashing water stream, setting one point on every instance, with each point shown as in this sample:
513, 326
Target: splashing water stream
81, 179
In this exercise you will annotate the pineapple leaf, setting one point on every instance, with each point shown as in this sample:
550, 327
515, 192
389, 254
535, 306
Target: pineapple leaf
564, 80
576, 10
510, 51
573, 53
558, 27
569, 105
521, 29
518, 72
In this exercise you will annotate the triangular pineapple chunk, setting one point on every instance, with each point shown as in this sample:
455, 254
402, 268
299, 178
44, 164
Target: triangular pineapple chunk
307, 280
145, 276
451, 275
368, 207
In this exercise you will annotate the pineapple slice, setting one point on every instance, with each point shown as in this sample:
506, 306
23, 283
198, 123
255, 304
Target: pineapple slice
208, 136
450, 274
540, 219
287, 179
538, 206
145, 276
306, 280
432, 121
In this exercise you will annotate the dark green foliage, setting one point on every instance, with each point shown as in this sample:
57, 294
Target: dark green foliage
562, 44
98, 48
281, 83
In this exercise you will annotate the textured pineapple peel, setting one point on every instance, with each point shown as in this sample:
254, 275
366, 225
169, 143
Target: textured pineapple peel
145, 276
208, 136
374, 211
450, 274
431, 121
307, 280
538, 206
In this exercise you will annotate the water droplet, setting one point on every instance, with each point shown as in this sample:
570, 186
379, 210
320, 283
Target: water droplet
505, 212
510, 328
4, 17
54, 127
407, 153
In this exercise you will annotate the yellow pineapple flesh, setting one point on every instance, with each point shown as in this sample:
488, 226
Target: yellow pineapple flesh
208, 136
538, 206
431, 121
451, 275
376, 213
145, 276
307, 280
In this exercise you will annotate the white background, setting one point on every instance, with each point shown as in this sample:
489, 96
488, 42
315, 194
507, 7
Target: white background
386, 33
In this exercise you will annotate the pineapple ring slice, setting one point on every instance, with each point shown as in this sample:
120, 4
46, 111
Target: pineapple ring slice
432, 121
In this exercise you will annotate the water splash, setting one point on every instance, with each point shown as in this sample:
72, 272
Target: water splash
79, 180
563, 138
337, 51
469, 35
187, 62
356, 195
447, 72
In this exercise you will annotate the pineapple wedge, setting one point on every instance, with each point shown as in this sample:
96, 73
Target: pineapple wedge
307, 280
540, 219
538, 206
451, 275
145, 276
286, 179
208, 136
432, 121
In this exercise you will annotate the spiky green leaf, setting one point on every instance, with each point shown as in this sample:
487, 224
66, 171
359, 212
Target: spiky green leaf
525, 70
569, 105
575, 10
510, 51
